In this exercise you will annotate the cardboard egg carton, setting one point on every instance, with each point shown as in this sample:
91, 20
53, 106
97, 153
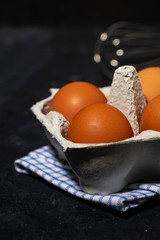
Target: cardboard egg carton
106, 168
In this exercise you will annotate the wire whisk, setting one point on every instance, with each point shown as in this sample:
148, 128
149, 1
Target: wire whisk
127, 43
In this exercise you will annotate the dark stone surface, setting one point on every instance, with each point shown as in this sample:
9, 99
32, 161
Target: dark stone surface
32, 60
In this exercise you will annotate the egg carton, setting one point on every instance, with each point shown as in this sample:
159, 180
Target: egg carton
106, 168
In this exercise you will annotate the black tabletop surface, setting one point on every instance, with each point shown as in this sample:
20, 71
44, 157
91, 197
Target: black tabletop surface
32, 60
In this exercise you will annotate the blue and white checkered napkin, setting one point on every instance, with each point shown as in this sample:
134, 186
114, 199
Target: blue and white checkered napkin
43, 162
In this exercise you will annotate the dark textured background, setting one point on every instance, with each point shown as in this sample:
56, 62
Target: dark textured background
36, 55
77, 12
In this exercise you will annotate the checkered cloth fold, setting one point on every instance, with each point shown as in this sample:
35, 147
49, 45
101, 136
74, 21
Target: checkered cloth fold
44, 163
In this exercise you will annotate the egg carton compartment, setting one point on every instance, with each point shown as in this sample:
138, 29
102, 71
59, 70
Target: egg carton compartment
102, 168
